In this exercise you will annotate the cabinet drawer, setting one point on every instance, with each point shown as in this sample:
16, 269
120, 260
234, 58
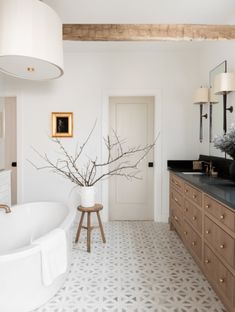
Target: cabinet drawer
209, 263
5, 178
193, 215
5, 199
222, 242
219, 274
193, 194
4, 195
176, 198
4, 187
196, 244
186, 233
220, 212
177, 219
193, 240
177, 182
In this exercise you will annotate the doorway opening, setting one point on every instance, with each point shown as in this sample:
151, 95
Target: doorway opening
8, 141
132, 118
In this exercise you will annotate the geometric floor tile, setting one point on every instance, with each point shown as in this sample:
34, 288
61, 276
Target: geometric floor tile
143, 267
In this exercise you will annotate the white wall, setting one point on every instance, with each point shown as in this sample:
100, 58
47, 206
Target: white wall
89, 75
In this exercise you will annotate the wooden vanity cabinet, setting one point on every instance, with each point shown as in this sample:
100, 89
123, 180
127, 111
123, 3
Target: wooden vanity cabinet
207, 228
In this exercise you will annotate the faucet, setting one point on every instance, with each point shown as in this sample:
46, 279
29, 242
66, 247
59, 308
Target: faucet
209, 167
5, 207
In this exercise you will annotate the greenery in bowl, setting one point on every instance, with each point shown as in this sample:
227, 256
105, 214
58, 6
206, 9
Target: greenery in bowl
226, 142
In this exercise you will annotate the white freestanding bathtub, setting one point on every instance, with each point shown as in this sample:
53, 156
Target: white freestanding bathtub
21, 286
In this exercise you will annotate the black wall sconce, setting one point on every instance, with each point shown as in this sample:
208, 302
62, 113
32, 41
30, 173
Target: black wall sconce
224, 84
201, 96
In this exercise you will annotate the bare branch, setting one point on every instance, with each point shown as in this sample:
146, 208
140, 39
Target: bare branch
84, 144
120, 161
55, 168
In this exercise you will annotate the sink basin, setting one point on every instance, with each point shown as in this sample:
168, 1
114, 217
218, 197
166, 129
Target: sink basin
194, 173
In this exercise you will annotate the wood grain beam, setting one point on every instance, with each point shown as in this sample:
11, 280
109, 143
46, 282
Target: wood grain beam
147, 32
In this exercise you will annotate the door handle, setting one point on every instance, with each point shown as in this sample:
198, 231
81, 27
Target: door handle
14, 164
150, 164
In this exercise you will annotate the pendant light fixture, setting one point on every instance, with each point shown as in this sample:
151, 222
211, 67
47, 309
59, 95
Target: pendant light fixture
31, 45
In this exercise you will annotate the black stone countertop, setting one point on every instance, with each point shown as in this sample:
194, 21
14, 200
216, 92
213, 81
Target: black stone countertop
221, 189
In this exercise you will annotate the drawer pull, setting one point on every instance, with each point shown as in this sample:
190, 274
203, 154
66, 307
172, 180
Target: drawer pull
194, 196
221, 246
221, 280
222, 217
207, 261
194, 243
207, 231
207, 206
194, 218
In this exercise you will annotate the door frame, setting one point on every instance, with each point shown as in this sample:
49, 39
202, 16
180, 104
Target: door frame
19, 137
157, 184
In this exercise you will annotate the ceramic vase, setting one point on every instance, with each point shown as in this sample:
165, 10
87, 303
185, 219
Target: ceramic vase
87, 194
232, 171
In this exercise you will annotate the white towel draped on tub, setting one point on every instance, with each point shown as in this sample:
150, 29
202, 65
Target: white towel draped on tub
53, 254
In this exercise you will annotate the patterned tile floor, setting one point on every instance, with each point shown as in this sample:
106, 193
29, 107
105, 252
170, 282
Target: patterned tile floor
143, 267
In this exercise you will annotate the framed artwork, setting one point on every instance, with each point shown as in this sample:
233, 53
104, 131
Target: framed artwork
62, 125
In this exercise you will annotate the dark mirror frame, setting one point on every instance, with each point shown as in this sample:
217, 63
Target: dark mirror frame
212, 74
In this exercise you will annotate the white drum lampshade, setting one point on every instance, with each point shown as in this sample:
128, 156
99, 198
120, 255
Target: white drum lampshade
224, 83
31, 45
201, 96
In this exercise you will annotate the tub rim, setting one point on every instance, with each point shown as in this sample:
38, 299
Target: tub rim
30, 249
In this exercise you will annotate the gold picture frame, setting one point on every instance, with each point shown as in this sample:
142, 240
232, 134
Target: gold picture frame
62, 125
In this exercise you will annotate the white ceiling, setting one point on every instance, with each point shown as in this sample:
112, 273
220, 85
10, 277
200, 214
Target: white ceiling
145, 11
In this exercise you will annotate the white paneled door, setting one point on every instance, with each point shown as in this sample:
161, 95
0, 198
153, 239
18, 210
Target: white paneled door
132, 118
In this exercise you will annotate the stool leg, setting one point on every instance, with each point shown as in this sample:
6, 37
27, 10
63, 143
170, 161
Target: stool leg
88, 232
101, 227
79, 227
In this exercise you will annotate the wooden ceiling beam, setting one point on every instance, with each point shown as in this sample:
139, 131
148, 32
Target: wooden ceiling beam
147, 32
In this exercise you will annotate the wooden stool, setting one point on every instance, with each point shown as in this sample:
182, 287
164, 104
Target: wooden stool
89, 210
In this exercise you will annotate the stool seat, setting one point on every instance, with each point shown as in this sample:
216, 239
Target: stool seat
96, 208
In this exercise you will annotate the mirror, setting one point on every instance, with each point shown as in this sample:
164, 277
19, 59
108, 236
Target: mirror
216, 112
